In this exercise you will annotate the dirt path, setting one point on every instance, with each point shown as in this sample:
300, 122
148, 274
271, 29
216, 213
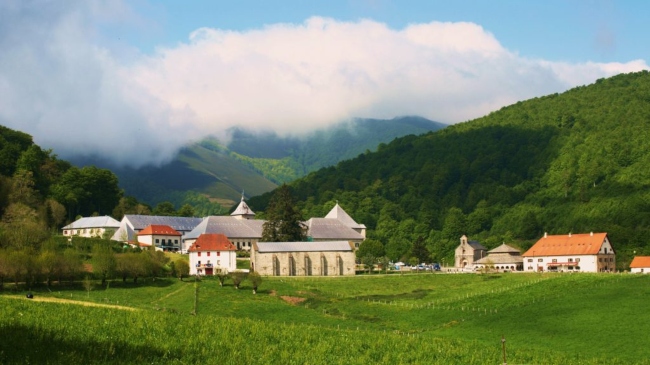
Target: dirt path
69, 301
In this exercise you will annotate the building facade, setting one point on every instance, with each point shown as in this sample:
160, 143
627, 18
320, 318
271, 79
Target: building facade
325, 258
640, 265
164, 238
467, 253
91, 227
590, 252
212, 253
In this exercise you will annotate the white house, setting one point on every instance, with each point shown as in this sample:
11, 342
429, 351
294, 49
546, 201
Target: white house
590, 252
640, 265
132, 224
164, 238
210, 253
91, 227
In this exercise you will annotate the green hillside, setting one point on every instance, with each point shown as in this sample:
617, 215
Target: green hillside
255, 162
574, 162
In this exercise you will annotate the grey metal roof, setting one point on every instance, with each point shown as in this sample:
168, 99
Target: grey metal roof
181, 224
475, 245
93, 222
331, 229
501, 258
505, 249
231, 227
323, 246
338, 213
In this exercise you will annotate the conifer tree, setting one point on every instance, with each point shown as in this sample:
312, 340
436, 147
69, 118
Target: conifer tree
283, 219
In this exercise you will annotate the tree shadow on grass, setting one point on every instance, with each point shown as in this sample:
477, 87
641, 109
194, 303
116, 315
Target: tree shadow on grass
27, 345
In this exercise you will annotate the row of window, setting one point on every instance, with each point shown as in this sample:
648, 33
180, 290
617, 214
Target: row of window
169, 241
605, 259
208, 254
80, 231
555, 260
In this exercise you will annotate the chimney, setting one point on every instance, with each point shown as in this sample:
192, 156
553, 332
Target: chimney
591, 234
545, 234
569, 234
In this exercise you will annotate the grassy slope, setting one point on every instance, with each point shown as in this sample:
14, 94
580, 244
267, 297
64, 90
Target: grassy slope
590, 319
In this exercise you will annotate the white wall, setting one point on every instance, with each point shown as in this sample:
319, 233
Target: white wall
219, 260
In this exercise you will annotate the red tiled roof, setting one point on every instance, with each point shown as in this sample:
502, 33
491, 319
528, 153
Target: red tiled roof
568, 244
159, 229
640, 261
212, 242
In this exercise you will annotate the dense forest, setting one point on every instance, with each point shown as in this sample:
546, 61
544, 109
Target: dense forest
574, 162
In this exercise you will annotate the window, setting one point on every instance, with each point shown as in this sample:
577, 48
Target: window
540, 260
530, 260
570, 260
218, 262
611, 259
578, 259
600, 259
570, 267
218, 253
176, 241
554, 260
530, 267
577, 267
199, 254
208, 253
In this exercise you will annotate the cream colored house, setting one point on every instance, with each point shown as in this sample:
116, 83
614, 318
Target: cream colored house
91, 227
163, 237
590, 252
325, 258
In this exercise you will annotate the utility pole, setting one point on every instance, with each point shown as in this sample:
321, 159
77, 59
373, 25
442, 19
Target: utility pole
503, 346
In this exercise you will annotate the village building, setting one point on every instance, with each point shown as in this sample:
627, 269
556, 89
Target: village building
243, 230
640, 265
337, 225
467, 253
590, 252
132, 224
162, 237
212, 253
502, 258
91, 227
323, 258
240, 227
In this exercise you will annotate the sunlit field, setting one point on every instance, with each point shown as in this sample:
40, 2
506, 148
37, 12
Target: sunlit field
415, 318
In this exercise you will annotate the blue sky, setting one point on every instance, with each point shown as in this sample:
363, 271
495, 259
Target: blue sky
85, 76
557, 30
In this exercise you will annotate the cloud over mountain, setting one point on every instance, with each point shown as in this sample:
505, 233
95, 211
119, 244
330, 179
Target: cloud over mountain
62, 81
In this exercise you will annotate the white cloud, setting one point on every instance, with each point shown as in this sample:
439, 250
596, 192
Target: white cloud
72, 94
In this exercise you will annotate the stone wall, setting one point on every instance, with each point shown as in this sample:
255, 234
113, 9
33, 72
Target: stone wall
329, 263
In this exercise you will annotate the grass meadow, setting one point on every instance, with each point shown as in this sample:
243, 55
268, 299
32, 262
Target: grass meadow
399, 319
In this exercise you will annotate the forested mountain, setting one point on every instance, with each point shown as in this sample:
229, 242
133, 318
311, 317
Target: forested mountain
211, 176
574, 162
39, 192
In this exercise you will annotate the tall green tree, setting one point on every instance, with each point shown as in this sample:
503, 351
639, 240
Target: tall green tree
104, 262
284, 222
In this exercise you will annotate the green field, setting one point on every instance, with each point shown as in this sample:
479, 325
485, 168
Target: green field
400, 319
